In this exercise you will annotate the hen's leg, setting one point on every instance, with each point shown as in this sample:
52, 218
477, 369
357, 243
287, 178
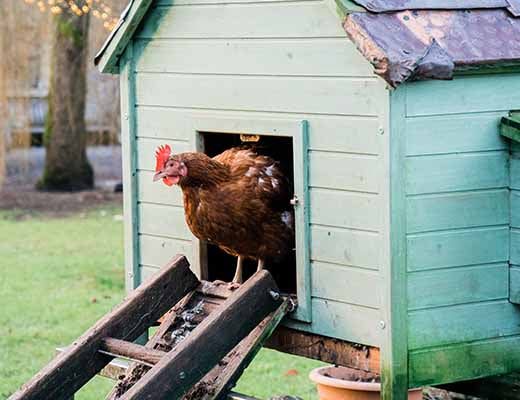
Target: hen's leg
238, 274
260, 265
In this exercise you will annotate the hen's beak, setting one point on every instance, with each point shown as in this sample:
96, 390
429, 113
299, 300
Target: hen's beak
159, 175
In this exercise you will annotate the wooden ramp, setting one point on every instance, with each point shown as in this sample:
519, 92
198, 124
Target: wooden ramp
207, 336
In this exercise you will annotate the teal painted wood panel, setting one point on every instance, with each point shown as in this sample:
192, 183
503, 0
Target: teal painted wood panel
344, 96
346, 247
428, 289
326, 133
271, 20
480, 93
457, 210
155, 219
454, 134
146, 151
346, 284
514, 162
359, 173
462, 323
346, 209
163, 124
457, 172
514, 284
515, 246
343, 321
291, 57
515, 209
462, 247
158, 251
464, 361
157, 192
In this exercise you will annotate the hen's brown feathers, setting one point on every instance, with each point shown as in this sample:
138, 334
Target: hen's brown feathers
239, 200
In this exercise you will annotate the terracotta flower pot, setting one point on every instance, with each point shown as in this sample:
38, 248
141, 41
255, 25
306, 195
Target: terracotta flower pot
340, 383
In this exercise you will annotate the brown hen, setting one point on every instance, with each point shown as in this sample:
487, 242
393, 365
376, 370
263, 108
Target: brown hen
238, 200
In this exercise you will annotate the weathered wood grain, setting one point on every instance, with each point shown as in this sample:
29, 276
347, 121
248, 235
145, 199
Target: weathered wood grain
453, 286
463, 323
326, 349
457, 172
450, 248
457, 210
211, 341
131, 351
70, 370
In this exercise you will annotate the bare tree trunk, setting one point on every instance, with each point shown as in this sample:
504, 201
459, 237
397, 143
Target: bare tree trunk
3, 101
66, 163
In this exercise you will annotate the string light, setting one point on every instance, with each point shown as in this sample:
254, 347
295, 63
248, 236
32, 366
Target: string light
97, 8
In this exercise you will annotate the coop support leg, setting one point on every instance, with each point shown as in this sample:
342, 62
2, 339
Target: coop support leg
393, 386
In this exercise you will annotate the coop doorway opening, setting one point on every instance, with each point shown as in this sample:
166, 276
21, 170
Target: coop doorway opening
218, 264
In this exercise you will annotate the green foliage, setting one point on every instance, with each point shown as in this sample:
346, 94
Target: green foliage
60, 275
67, 29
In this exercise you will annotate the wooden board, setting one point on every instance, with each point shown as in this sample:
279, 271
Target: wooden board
290, 57
460, 285
326, 349
450, 248
70, 370
168, 221
177, 371
457, 210
262, 20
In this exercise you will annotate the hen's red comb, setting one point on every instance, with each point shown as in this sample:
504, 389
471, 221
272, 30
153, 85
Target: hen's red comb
161, 156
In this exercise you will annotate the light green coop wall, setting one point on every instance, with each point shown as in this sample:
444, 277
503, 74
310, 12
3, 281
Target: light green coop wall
460, 322
279, 61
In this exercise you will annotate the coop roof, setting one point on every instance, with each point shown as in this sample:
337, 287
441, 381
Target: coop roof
402, 39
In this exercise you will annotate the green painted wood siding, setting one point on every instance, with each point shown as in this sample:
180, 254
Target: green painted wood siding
276, 61
460, 322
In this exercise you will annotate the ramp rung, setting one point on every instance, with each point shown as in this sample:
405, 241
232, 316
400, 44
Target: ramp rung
131, 351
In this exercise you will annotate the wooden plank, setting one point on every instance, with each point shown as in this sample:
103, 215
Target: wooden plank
69, 371
131, 351
217, 383
346, 247
464, 361
346, 209
482, 93
156, 192
345, 96
515, 209
214, 338
271, 20
515, 246
457, 286
450, 249
155, 219
462, 323
287, 57
343, 321
457, 172
145, 150
514, 167
163, 124
514, 284
155, 250
457, 210
454, 134
130, 212
345, 284
326, 349
359, 173
327, 133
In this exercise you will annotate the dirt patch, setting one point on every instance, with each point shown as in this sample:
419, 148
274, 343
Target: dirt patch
24, 202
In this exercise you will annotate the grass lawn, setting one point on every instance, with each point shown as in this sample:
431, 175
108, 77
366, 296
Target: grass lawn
59, 275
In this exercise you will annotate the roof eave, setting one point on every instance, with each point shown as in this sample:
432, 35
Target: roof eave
107, 60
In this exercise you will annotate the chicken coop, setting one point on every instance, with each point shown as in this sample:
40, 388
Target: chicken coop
396, 122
